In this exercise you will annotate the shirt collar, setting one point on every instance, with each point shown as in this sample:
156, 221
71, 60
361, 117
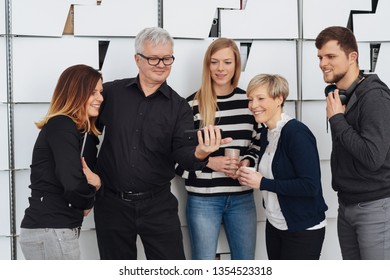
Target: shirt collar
164, 88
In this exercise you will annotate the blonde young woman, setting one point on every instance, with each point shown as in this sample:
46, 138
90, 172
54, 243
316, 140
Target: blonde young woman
215, 197
62, 185
289, 175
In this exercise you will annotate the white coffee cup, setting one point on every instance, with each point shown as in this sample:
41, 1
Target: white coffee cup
251, 168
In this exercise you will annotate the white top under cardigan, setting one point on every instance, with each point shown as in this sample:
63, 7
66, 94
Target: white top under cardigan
273, 212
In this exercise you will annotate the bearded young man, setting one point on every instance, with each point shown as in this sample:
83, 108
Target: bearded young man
360, 159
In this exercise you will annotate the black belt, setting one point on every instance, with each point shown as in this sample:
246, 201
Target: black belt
137, 196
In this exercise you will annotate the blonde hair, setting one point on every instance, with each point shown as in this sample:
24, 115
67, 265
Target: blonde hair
206, 97
74, 87
277, 85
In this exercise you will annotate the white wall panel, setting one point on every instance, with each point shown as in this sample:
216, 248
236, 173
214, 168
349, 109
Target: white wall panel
331, 248
364, 56
3, 70
5, 248
317, 15
2, 17
42, 17
312, 79
222, 246
3, 137
312, 82
192, 19
272, 57
314, 116
88, 245
4, 205
186, 73
261, 251
330, 195
22, 193
115, 18
26, 132
119, 61
382, 64
373, 27
289, 108
89, 222
38, 63
261, 19
259, 206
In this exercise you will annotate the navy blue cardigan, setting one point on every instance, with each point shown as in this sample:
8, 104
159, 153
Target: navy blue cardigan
297, 176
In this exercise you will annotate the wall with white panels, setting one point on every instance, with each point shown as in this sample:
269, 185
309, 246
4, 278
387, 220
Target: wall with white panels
5, 248
330, 195
40, 52
22, 192
193, 19
312, 82
314, 116
382, 64
3, 70
188, 57
119, 60
4, 204
2, 16
26, 132
373, 27
38, 62
3, 137
276, 57
261, 19
42, 17
115, 17
318, 14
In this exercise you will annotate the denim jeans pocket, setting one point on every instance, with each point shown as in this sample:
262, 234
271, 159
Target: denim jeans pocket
31, 244
382, 203
68, 240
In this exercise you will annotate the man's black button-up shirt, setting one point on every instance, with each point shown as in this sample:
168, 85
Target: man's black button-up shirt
143, 136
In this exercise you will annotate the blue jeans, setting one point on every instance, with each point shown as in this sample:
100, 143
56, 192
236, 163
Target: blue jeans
205, 214
364, 230
50, 243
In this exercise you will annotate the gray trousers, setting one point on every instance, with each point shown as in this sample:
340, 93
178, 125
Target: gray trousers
364, 230
50, 243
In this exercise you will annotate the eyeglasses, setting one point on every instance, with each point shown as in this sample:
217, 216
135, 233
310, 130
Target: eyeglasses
154, 61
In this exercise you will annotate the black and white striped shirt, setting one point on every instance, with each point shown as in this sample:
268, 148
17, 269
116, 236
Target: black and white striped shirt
236, 121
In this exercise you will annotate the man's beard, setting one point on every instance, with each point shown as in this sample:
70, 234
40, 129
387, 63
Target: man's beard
337, 78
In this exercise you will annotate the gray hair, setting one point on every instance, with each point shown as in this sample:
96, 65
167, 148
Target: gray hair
154, 35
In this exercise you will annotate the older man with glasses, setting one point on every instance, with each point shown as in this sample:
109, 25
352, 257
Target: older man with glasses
144, 121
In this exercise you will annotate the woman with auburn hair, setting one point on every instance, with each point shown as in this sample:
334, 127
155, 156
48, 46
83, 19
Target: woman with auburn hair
62, 185
215, 196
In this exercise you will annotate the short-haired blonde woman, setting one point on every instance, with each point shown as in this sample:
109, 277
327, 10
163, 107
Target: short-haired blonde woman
62, 185
288, 176
215, 197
